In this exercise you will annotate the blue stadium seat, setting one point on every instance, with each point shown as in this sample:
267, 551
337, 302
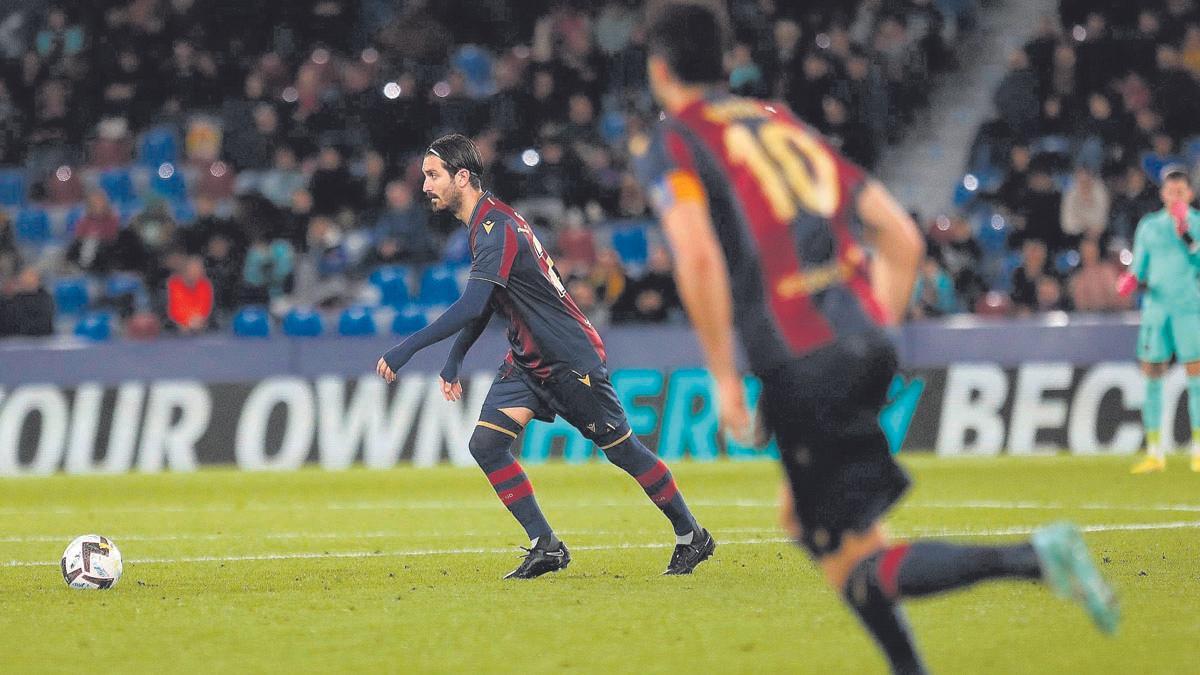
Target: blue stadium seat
158, 146
612, 127
409, 320
12, 187
119, 284
169, 184
439, 286
127, 210
117, 184
33, 226
73, 216
183, 211
392, 282
476, 65
1066, 262
252, 322
630, 243
356, 322
95, 326
302, 323
70, 295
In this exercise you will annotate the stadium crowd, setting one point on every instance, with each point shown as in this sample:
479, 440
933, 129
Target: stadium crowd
174, 161
1092, 108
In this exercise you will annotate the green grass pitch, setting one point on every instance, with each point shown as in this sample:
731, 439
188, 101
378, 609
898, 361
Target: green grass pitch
399, 571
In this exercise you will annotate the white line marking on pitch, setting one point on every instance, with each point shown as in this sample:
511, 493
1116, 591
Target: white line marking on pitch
393, 534
400, 505
1001, 532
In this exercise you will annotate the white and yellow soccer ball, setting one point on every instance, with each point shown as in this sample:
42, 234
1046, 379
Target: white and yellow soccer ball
91, 562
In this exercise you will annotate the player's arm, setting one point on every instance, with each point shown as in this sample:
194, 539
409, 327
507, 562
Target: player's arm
898, 246
702, 278
473, 304
462, 344
1139, 268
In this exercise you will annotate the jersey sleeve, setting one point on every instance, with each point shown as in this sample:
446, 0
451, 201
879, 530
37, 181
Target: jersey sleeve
664, 163
494, 251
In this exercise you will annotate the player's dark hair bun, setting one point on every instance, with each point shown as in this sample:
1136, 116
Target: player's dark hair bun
691, 38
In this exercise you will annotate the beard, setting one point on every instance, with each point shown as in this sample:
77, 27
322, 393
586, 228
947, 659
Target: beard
450, 202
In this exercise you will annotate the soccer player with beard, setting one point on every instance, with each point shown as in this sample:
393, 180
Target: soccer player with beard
771, 229
557, 364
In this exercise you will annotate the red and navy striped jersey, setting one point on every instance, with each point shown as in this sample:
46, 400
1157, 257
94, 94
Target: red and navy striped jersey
783, 207
546, 330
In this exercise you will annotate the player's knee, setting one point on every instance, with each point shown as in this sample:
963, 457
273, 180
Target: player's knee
492, 438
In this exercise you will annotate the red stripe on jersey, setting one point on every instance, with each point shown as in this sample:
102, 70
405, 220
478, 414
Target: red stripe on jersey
679, 151
800, 323
500, 475
544, 265
510, 252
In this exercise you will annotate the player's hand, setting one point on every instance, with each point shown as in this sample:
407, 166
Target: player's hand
1126, 284
384, 371
737, 423
451, 391
1179, 211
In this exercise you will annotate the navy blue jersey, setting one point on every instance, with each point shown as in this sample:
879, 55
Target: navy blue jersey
783, 208
545, 328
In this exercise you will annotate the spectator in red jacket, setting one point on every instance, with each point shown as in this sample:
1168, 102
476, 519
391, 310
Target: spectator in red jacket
190, 297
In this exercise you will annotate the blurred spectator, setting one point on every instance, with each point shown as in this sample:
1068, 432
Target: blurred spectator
267, 272
154, 228
961, 257
933, 293
1050, 296
1094, 284
1134, 198
374, 182
284, 177
1016, 98
1035, 266
95, 232
10, 257
850, 136
654, 296
254, 148
1041, 211
333, 188
1084, 207
1013, 190
401, 230
25, 306
608, 278
584, 295
190, 297
223, 267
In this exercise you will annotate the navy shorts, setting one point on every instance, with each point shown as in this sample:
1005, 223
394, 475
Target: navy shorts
824, 410
586, 400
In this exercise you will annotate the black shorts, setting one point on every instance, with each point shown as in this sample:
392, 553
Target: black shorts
824, 410
586, 400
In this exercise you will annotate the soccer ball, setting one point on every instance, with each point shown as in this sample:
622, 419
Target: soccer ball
91, 562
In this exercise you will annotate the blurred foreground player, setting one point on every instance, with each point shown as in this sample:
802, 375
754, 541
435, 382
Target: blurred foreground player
769, 225
1166, 262
556, 366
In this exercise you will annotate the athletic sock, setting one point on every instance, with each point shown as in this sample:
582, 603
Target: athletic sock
1152, 415
655, 478
490, 448
1193, 389
929, 567
882, 617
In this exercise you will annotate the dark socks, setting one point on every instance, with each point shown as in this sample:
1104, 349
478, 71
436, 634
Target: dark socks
884, 620
655, 478
928, 567
490, 447
879, 581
